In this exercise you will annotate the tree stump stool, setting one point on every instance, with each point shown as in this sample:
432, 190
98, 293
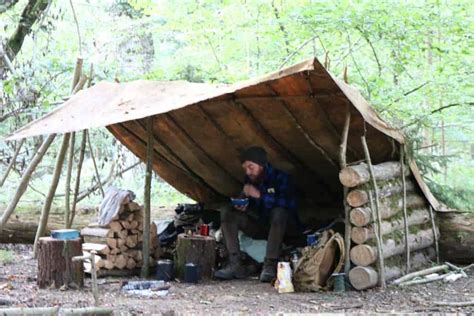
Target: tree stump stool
200, 250
55, 266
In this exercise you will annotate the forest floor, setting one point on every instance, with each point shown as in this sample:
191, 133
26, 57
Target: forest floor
18, 283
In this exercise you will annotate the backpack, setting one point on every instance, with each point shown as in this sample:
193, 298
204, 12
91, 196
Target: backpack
318, 262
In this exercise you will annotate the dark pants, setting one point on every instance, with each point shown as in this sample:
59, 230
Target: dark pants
280, 223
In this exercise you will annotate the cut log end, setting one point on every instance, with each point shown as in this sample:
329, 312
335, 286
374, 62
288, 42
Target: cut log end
349, 177
363, 255
356, 198
363, 278
360, 216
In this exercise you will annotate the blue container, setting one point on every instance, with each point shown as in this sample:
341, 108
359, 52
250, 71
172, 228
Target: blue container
191, 273
164, 270
65, 234
239, 201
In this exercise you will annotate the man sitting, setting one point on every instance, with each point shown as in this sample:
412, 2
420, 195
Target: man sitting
270, 214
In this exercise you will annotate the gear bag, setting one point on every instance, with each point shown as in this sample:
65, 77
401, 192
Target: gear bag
318, 262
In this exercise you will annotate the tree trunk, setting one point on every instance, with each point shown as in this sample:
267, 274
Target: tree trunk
363, 278
356, 175
55, 266
365, 255
362, 216
12, 162
358, 197
456, 237
360, 235
25, 179
199, 250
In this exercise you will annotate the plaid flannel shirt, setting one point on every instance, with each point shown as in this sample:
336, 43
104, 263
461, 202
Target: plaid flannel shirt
276, 190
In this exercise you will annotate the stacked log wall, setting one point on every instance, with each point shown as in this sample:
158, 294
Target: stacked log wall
364, 252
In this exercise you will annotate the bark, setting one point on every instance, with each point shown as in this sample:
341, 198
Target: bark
365, 255
31, 13
362, 216
359, 197
198, 250
360, 235
356, 175
456, 241
55, 266
363, 278
25, 179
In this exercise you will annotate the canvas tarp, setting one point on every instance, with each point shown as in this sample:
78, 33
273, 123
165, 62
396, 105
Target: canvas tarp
297, 114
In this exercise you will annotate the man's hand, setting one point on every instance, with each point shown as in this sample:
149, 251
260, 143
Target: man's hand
250, 190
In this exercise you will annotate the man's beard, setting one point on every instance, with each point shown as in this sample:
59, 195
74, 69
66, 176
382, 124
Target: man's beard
256, 179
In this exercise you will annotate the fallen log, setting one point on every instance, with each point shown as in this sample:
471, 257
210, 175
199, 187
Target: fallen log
353, 176
365, 255
360, 197
456, 240
421, 273
360, 235
362, 216
363, 278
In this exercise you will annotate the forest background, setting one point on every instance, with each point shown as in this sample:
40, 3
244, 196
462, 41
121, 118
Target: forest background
412, 60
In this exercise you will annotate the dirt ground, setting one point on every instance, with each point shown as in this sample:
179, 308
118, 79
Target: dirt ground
18, 282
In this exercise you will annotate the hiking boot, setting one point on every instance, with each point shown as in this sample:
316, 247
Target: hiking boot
269, 270
234, 269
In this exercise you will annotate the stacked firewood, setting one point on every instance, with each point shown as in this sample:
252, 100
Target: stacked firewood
118, 245
364, 250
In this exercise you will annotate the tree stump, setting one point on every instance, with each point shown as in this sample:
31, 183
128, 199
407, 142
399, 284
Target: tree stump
200, 250
55, 266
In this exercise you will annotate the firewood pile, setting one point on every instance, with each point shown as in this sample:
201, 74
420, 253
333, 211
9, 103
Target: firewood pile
364, 250
118, 245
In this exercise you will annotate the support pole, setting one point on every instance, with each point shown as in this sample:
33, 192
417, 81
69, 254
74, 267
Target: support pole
147, 198
78, 178
95, 164
377, 212
404, 202
25, 179
347, 209
435, 233
67, 190
12, 162
52, 190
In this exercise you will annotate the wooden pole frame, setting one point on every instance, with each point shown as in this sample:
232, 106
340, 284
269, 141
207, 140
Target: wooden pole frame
52, 190
78, 178
147, 199
435, 232
404, 202
67, 189
95, 164
377, 212
347, 208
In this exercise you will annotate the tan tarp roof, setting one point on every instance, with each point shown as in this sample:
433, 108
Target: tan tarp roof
297, 114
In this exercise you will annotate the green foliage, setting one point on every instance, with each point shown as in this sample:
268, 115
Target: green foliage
408, 58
